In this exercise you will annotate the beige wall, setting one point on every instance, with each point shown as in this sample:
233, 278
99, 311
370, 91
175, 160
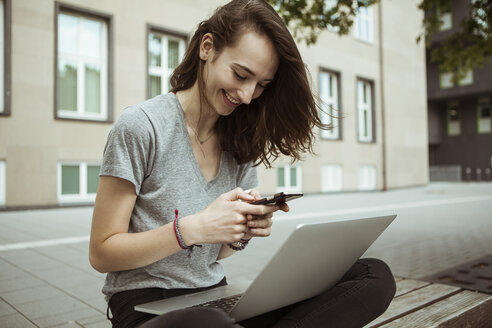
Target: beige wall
32, 142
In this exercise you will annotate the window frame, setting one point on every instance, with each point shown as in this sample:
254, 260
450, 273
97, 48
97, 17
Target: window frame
336, 132
61, 8
83, 196
448, 119
289, 188
366, 18
5, 97
3, 182
167, 33
324, 186
372, 111
479, 114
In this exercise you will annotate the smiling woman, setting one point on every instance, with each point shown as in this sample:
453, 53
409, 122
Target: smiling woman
175, 167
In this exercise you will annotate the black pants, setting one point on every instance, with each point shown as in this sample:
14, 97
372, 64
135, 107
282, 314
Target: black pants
362, 295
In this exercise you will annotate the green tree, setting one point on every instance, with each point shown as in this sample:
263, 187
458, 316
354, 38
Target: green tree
468, 47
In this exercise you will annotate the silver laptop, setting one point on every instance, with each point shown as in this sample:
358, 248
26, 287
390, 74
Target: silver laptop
313, 258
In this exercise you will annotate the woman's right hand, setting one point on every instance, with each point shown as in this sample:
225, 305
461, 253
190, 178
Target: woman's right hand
224, 220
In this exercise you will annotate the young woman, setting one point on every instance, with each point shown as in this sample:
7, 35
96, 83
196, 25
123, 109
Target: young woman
176, 166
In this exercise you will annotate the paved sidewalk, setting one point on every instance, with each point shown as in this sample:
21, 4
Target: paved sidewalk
46, 279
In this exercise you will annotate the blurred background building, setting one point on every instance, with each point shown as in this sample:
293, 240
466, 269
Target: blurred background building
71, 67
460, 124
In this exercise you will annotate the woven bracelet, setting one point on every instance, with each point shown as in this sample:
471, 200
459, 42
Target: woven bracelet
179, 237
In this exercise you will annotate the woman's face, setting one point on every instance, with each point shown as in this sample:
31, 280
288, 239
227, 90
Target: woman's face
237, 74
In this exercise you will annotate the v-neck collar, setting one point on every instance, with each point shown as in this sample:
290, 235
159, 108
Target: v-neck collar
189, 150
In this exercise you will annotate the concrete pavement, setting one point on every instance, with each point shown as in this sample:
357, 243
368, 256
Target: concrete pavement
46, 279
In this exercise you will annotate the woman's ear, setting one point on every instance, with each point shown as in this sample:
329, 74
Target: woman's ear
207, 46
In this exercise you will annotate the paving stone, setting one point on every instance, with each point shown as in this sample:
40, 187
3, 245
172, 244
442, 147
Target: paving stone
15, 321
65, 318
6, 309
10, 271
31, 294
15, 284
94, 319
50, 306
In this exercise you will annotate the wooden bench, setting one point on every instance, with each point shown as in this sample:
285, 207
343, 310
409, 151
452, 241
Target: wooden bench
424, 304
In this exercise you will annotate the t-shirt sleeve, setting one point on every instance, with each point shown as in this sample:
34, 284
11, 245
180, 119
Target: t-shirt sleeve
129, 150
247, 177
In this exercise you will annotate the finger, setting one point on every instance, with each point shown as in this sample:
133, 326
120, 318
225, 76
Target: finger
266, 223
246, 208
236, 194
284, 207
258, 232
255, 193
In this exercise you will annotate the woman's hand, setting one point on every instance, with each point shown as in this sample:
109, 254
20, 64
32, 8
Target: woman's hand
225, 220
261, 225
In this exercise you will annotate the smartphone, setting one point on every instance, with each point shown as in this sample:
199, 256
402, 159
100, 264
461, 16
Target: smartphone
276, 199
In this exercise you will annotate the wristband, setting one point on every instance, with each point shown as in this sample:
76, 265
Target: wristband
179, 237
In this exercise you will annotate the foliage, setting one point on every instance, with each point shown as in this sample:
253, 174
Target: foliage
308, 18
470, 46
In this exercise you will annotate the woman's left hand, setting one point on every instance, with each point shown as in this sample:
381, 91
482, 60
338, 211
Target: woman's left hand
261, 226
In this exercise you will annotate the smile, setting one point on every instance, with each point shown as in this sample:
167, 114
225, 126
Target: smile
231, 99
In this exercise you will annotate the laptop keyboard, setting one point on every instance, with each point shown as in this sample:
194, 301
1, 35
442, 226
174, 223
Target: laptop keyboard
226, 303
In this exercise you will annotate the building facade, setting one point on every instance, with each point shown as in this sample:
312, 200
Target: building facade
460, 124
71, 67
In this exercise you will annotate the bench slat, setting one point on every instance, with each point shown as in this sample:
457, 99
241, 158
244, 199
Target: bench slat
412, 301
407, 285
451, 310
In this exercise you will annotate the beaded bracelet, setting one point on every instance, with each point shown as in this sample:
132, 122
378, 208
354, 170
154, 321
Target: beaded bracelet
239, 245
179, 237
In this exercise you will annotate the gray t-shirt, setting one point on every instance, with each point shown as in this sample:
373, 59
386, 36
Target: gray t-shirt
149, 146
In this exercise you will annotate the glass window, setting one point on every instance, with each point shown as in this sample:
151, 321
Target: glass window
289, 178
82, 76
444, 13
2, 50
446, 79
453, 117
367, 177
78, 181
3, 182
165, 54
331, 178
363, 24
328, 85
484, 116
467, 80
364, 111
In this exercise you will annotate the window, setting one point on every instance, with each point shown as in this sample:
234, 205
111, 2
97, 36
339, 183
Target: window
5, 57
453, 118
165, 54
82, 67
3, 183
289, 179
467, 80
446, 79
444, 13
2, 53
77, 181
328, 85
367, 177
483, 116
363, 24
364, 111
331, 178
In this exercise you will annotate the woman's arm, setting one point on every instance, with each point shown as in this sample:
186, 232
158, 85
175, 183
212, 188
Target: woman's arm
111, 247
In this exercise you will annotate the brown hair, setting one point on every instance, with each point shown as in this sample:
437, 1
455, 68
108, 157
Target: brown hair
281, 120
